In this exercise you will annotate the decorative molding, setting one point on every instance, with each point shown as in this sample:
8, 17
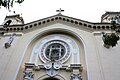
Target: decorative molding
76, 66
76, 76
56, 18
52, 69
65, 56
76, 71
10, 34
10, 40
70, 67
28, 75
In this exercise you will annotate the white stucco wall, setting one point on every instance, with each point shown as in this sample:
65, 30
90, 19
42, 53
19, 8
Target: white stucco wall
101, 63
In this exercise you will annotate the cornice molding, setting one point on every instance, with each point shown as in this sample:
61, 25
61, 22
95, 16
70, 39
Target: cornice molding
55, 19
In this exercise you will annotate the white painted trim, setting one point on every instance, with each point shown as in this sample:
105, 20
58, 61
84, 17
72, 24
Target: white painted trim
36, 58
78, 56
55, 37
54, 29
75, 35
21, 61
86, 61
30, 60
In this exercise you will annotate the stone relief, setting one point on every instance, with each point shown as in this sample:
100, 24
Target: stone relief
76, 76
28, 75
10, 40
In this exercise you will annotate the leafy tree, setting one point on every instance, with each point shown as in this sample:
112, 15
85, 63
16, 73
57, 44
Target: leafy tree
115, 26
9, 3
112, 39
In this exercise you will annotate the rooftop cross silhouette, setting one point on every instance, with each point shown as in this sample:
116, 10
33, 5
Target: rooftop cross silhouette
59, 11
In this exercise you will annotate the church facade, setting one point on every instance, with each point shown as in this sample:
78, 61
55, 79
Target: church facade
57, 48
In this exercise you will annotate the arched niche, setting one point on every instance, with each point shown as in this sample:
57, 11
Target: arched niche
66, 32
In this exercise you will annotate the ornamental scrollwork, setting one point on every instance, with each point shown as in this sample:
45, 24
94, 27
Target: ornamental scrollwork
76, 76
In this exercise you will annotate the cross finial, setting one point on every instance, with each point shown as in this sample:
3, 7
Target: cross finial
59, 11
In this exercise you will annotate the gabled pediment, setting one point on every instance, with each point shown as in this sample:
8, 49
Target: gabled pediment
57, 19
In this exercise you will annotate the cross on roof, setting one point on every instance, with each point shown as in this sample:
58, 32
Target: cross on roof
59, 11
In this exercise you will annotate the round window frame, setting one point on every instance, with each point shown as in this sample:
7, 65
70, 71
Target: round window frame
65, 57
58, 44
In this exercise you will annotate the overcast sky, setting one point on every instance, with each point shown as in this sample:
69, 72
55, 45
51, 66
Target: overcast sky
88, 10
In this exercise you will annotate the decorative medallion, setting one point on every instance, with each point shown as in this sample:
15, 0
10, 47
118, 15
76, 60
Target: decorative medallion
55, 50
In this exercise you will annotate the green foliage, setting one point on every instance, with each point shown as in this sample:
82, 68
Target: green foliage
9, 3
19, 1
3, 3
115, 26
111, 39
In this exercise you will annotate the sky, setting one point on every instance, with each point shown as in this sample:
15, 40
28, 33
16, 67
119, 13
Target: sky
88, 10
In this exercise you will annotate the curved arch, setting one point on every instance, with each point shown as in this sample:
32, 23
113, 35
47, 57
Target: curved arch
64, 31
58, 76
44, 77
60, 31
51, 78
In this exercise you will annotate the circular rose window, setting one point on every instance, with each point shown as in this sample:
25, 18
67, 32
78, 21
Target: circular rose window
55, 50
